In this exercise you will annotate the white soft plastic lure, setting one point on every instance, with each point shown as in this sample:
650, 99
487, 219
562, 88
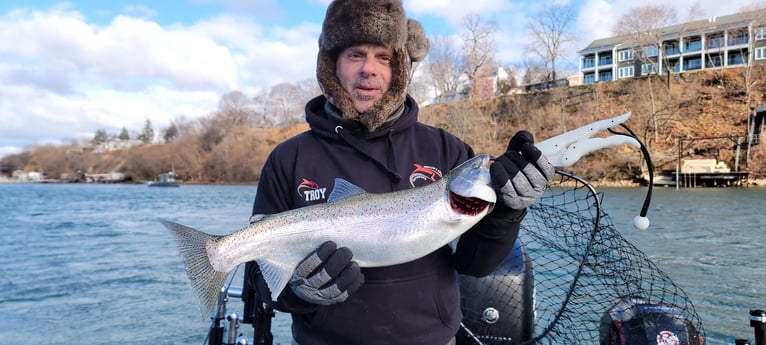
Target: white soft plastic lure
565, 149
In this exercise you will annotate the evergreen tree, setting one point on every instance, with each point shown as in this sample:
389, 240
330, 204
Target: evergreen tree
147, 136
124, 134
100, 136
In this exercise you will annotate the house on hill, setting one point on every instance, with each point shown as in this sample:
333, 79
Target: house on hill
718, 42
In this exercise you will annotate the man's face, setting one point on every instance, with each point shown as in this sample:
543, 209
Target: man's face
365, 72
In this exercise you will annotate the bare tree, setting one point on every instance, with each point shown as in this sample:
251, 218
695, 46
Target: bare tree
308, 89
533, 72
645, 29
443, 66
478, 49
421, 85
549, 30
235, 112
178, 127
286, 102
235, 109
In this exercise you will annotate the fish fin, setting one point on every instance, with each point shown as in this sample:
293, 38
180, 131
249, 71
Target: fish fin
453, 244
344, 189
276, 275
205, 280
256, 218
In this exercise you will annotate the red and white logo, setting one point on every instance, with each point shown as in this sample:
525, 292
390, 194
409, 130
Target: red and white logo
310, 190
667, 338
423, 175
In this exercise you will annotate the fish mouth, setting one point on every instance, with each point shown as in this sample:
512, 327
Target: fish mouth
467, 205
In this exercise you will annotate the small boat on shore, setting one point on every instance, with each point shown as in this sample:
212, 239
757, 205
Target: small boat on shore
167, 179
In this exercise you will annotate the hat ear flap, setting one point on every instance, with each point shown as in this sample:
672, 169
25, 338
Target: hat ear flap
331, 87
417, 43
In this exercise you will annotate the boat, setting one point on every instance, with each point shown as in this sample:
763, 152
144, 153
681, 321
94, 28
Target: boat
167, 179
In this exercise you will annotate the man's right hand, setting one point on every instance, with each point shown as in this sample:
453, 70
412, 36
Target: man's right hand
327, 276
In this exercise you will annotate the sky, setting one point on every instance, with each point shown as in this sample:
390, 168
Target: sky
70, 68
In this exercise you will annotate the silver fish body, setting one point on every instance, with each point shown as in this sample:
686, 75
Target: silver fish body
381, 229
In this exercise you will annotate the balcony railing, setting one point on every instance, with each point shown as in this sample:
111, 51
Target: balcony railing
693, 46
735, 41
672, 51
718, 42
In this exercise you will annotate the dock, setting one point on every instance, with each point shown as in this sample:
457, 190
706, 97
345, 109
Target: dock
710, 179
701, 173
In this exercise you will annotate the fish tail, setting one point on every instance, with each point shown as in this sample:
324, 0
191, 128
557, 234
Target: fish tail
205, 280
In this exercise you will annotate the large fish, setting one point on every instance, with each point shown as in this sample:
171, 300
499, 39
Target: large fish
381, 229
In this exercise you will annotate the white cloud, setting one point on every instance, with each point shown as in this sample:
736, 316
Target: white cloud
260, 8
595, 20
140, 11
453, 11
266, 56
62, 78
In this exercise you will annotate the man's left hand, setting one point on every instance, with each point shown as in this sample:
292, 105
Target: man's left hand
522, 173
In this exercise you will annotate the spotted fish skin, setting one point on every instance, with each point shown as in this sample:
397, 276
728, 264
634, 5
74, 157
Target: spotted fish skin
381, 229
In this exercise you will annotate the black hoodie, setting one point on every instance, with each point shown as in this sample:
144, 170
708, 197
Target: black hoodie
412, 303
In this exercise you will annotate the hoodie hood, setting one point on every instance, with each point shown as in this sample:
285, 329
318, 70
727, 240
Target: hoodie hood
326, 125
335, 127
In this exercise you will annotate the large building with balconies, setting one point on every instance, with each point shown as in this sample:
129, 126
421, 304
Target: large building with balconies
718, 42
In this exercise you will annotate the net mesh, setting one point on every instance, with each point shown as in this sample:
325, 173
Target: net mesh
577, 266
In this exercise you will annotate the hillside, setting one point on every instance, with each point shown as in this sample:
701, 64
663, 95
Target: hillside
667, 112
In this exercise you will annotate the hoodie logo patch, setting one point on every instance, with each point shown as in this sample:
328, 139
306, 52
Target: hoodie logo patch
310, 190
423, 175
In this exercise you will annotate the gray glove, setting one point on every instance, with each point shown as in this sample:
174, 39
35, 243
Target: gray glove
327, 276
522, 173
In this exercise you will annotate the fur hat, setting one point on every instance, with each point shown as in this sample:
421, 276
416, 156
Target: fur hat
382, 22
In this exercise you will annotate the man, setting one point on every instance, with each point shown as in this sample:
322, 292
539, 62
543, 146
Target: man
364, 129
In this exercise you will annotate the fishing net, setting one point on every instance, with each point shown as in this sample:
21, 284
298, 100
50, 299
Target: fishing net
576, 281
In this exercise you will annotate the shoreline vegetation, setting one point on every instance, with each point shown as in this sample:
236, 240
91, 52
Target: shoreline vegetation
691, 115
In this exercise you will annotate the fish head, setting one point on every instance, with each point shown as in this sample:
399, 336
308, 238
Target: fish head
470, 187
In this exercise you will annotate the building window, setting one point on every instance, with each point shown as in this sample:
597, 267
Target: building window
714, 61
589, 62
760, 53
674, 67
671, 48
648, 68
692, 64
625, 55
625, 72
760, 33
738, 37
715, 41
693, 44
651, 51
736, 59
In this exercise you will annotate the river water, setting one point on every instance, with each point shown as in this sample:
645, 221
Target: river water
89, 264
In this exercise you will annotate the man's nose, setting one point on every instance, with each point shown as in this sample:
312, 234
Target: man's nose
368, 66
